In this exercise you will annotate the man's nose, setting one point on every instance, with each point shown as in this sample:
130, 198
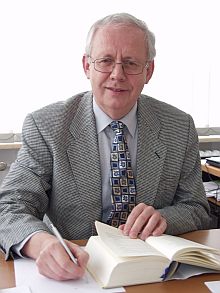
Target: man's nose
118, 71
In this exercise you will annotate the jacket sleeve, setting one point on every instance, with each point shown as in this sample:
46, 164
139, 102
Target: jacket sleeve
25, 189
190, 209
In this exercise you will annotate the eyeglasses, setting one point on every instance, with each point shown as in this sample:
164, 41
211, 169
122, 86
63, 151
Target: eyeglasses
106, 65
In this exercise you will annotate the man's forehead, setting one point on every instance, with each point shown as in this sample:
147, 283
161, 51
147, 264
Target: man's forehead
112, 40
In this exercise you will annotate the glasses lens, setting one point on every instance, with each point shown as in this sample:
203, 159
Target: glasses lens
106, 65
132, 67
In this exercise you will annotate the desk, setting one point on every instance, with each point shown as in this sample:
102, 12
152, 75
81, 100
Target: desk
210, 169
191, 285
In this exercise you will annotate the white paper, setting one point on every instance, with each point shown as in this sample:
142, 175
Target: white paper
26, 274
20, 289
186, 271
212, 189
214, 286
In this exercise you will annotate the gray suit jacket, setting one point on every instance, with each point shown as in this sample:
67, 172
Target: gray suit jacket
57, 171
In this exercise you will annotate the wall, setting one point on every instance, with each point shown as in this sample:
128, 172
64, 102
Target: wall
7, 156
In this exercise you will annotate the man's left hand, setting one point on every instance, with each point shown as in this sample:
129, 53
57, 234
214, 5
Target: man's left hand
144, 221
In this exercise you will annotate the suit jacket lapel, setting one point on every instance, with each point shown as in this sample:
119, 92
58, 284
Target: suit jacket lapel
84, 158
151, 153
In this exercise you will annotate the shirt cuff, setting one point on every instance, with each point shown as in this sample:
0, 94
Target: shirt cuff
18, 247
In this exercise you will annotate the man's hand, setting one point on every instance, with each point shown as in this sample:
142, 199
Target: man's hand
144, 221
51, 258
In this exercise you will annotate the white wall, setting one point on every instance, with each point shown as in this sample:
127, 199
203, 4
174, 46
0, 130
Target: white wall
42, 43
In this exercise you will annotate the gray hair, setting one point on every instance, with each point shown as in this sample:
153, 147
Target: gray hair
123, 19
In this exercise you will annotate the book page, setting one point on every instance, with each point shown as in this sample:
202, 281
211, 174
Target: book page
174, 247
123, 246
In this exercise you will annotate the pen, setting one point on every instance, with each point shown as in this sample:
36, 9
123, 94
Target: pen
59, 237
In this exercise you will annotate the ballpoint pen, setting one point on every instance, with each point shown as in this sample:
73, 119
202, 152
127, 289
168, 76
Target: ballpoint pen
59, 237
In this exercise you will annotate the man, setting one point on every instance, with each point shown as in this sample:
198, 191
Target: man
62, 170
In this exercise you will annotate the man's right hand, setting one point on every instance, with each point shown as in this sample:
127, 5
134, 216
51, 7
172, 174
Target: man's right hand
51, 258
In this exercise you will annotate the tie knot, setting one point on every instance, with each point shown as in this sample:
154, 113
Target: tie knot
117, 126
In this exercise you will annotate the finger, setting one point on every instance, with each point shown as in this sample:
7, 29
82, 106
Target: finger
135, 213
161, 228
121, 227
141, 222
151, 225
156, 226
81, 255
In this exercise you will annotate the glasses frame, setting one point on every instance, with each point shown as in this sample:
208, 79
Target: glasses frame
94, 62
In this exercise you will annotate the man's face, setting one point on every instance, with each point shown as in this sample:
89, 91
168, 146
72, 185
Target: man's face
116, 92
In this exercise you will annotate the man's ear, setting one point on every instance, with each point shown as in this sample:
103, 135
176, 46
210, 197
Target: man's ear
86, 65
150, 71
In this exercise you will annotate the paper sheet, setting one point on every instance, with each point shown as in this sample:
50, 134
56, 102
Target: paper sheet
26, 274
212, 189
214, 286
186, 271
20, 289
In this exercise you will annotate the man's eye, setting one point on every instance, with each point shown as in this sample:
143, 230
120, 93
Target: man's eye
131, 63
105, 61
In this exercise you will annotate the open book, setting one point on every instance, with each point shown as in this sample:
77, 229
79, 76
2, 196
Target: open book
117, 260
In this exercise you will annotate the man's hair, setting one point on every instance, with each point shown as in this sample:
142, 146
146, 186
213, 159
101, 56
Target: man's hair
123, 19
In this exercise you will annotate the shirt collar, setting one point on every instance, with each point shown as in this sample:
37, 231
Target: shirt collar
103, 120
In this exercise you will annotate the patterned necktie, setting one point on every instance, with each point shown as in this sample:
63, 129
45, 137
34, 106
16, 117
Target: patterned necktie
122, 179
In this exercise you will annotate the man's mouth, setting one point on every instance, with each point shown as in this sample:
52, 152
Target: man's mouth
115, 89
